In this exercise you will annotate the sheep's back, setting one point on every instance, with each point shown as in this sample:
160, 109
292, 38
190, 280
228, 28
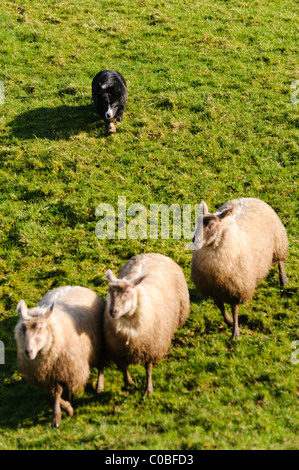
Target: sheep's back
262, 224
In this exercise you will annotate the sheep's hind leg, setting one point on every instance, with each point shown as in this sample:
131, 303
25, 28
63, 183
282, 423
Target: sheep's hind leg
127, 377
66, 405
282, 274
227, 318
125, 370
58, 403
235, 312
149, 383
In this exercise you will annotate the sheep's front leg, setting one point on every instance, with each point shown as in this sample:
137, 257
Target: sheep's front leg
100, 384
58, 403
282, 274
235, 312
149, 383
56, 409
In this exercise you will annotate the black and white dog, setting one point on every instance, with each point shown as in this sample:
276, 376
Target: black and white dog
109, 92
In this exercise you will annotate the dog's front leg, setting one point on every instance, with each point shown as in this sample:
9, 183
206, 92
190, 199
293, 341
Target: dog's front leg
110, 127
119, 115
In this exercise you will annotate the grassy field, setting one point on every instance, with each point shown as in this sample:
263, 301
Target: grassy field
209, 117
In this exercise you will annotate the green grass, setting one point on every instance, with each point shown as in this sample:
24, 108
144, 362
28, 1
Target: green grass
209, 117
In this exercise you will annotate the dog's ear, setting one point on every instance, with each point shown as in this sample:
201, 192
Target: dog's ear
117, 89
100, 88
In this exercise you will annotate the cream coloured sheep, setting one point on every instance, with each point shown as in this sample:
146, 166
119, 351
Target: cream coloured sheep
234, 250
145, 305
59, 341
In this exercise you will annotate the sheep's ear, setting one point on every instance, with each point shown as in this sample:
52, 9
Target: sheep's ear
203, 208
22, 310
110, 276
224, 214
198, 229
49, 311
139, 279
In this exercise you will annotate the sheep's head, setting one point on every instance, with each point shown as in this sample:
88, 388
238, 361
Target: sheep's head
33, 328
122, 295
208, 226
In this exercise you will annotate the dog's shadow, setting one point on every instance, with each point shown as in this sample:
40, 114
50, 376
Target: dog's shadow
60, 123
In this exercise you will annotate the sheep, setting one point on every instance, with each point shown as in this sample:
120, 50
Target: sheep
234, 250
145, 305
59, 341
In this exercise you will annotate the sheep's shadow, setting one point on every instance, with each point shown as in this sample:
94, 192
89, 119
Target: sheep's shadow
28, 406
195, 296
25, 405
58, 123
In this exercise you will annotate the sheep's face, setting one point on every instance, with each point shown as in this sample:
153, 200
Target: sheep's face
208, 228
123, 299
123, 295
34, 336
211, 225
32, 330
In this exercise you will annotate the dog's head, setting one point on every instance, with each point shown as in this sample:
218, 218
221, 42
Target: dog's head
109, 96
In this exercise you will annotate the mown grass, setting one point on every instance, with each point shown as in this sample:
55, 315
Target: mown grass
209, 116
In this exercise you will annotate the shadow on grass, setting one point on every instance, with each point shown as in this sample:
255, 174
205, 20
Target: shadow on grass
195, 296
24, 405
58, 123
